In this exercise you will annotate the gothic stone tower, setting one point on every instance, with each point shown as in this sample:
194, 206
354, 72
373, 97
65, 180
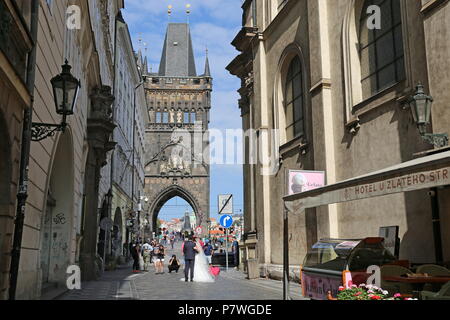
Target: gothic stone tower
179, 102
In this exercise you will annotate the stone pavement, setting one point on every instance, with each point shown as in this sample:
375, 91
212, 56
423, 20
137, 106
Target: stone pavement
122, 284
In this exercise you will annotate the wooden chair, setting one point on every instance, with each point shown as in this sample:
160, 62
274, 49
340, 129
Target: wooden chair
395, 287
435, 271
443, 294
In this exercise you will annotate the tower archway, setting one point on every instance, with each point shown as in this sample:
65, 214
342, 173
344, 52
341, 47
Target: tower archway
169, 193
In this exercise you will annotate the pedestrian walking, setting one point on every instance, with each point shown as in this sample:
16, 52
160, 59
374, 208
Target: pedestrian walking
160, 260
135, 253
235, 249
155, 252
209, 251
172, 241
146, 254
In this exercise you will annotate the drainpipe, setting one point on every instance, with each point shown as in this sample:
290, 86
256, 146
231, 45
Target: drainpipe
22, 194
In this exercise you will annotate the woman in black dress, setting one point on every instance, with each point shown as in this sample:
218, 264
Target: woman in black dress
160, 260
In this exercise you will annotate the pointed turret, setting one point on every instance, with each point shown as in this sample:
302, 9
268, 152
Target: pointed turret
139, 60
178, 55
207, 69
145, 66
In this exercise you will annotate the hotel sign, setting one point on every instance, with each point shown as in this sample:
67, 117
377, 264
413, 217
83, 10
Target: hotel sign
409, 182
373, 186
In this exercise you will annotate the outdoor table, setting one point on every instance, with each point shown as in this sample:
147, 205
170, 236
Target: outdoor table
418, 282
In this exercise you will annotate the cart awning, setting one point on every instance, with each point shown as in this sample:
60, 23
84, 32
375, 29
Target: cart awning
418, 174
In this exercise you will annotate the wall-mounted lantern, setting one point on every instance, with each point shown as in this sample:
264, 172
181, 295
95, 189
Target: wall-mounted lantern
65, 91
420, 105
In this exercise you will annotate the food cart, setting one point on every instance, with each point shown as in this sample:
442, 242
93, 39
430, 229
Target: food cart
331, 263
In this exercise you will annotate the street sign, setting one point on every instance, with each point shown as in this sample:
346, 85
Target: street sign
225, 203
226, 221
199, 230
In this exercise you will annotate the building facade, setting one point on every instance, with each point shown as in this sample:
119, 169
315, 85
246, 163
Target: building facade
68, 180
329, 94
130, 116
179, 103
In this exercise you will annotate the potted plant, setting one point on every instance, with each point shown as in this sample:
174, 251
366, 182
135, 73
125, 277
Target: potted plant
366, 292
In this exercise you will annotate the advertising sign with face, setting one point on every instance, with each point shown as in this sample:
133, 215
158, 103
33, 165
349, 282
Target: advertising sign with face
302, 181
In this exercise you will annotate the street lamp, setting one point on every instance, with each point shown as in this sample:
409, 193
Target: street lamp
420, 105
65, 91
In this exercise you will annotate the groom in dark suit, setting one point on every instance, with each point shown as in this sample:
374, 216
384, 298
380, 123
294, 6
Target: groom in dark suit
189, 251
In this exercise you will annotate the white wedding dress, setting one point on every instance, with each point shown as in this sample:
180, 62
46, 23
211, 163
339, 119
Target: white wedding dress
201, 267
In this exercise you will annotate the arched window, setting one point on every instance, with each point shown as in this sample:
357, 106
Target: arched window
294, 101
381, 50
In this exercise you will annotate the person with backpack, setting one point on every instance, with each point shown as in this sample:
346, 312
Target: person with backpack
146, 255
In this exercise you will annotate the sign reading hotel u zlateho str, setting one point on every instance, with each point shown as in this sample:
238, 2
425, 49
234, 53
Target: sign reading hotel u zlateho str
409, 182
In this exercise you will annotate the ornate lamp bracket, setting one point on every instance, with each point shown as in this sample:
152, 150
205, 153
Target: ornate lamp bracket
438, 140
41, 131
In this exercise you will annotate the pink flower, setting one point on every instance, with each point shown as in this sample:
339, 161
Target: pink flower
358, 293
397, 295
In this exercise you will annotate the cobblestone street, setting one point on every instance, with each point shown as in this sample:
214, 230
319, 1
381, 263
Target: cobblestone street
122, 284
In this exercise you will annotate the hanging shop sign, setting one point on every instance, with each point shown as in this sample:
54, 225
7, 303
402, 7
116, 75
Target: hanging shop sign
300, 181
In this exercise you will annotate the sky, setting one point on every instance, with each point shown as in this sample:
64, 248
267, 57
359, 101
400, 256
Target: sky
214, 24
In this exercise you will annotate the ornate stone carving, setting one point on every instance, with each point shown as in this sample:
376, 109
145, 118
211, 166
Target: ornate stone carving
177, 163
172, 116
102, 100
106, 23
179, 116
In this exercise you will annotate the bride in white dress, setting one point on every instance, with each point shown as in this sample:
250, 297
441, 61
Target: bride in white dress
201, 266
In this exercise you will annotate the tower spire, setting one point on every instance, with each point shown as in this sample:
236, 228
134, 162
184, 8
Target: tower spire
207, 69
178, 54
